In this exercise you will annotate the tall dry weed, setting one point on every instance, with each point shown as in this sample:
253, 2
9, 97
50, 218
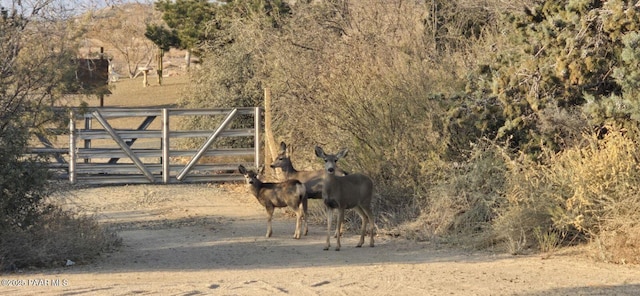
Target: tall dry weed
587, 193
462, 205
55, 236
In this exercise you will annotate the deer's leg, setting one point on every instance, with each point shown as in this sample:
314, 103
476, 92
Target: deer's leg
298, 211
364, 219
269, 217
304, 215
329, 220
340, 219
372, 224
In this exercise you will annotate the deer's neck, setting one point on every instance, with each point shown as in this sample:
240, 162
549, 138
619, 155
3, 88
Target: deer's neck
289, 170
255, 188
330, 190
329, 179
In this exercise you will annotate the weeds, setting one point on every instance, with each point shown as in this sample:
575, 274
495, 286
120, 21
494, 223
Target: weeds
56, 236
548, 241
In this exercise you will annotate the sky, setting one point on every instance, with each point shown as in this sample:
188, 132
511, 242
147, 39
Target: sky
70, 6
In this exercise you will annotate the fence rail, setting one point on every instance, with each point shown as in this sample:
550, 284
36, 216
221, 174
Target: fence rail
106, 149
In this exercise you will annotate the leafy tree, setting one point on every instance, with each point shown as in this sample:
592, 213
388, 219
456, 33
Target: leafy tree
164, 39
189, 20
235, 47
32, 77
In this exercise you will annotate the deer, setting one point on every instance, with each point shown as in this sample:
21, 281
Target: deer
311, 179
353, 191
290, 193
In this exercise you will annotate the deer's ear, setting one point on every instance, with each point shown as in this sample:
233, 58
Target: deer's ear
242, 169
289, 151
342, 153
319, 152
283, 147
260, 170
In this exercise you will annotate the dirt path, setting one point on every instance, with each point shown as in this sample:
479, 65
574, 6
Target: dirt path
207, 240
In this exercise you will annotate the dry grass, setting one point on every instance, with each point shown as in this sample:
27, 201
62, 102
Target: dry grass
583, 194
55, 236
131, 93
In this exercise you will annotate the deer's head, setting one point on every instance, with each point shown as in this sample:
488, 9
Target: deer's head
330, 160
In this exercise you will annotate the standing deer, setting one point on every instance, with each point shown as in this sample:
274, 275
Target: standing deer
311, 179
354, 191
290, 193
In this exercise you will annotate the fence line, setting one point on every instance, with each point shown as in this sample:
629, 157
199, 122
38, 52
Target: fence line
114, 154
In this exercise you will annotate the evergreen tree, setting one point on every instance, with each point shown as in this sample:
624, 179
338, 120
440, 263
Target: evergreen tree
188, 19
562, 55
620, 21
164, 39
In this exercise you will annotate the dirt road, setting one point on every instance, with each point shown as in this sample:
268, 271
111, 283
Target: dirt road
209, 240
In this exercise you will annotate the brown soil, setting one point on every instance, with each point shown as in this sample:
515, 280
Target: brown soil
209, 240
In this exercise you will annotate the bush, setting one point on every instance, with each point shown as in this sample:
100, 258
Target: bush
394, 82
463, 205
53, 237
23, 182
33, 77
32, 232
585, 193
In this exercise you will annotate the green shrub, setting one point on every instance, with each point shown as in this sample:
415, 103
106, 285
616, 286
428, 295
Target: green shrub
23, 181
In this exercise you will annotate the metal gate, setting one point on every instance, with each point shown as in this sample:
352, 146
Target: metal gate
109, 150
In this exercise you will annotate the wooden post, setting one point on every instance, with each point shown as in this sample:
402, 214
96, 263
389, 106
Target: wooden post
101, 95
159, 68
187, 59
145, 80
145, 73
270, 151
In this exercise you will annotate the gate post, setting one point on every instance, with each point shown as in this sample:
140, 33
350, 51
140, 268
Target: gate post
87, 126
72, 148
166, 168
256, 137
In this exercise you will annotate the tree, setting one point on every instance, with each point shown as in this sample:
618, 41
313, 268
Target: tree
189, 20
126, 27
164, 39
557, 57
33, 75
620, 22
38, 42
